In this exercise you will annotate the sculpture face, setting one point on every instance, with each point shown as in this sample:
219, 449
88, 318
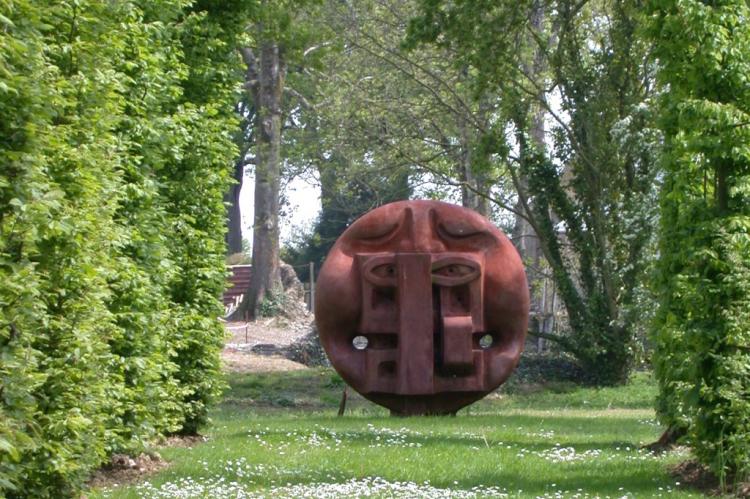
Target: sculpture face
428, 284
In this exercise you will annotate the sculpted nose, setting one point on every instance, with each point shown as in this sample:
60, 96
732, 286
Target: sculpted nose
424, 234
416, 349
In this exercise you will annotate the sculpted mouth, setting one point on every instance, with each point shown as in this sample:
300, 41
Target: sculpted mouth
422, 316
386, 346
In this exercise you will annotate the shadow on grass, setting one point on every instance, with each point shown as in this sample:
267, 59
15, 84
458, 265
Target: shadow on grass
380, 434
296, 404
321, 388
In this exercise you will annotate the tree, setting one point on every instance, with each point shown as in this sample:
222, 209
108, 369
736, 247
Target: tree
267, 72
115, 153
277, 40
381, 122
377, 120
586, 190
701, 331
244, 138
414, 109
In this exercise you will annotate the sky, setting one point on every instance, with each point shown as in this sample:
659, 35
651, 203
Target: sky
301, 210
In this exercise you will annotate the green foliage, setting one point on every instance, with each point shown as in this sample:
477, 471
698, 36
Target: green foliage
59, 192
702, 328
272, 305
586, 184
114, 144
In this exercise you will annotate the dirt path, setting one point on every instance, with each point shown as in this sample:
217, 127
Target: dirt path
238, 362
264, 334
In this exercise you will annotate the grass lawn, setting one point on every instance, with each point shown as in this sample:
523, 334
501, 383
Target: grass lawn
277, 435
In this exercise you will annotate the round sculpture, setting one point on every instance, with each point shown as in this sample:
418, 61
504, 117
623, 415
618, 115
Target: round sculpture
422, 307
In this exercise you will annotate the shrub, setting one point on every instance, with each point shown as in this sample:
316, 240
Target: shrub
702, 328
115, 152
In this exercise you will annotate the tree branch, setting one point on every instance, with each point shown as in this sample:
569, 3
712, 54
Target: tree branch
302, 99
560, 340
251, 61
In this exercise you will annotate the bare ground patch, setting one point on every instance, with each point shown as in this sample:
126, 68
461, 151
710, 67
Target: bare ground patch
276, 331
241, 362
123, 470
183, 440
698, 476
247, 339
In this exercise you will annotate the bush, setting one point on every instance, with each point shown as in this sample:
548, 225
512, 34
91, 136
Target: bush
115, 151
702, 328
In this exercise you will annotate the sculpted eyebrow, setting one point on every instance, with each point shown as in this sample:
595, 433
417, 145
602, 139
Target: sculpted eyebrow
459, 229
377, 232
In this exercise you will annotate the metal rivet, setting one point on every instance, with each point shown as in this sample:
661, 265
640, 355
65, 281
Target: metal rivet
360, 342
485, 341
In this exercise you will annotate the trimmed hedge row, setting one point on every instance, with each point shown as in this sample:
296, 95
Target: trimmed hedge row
115, 152
702, 329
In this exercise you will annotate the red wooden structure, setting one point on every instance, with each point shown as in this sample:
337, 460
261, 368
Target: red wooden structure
239, 281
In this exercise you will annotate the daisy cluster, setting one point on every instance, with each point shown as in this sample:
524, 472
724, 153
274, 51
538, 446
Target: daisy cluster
326, 438
379, 487
561, 454
650, 422
542, 433
319, 438
220, 487
387, 437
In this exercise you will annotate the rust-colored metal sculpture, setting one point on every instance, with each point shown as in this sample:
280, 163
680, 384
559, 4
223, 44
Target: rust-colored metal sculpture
422, 307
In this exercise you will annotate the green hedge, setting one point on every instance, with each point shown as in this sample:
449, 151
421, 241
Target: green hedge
702, 333
115, 152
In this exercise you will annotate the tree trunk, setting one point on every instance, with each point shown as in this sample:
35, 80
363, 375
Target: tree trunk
234, 215
267, 92
525, 237
472, 183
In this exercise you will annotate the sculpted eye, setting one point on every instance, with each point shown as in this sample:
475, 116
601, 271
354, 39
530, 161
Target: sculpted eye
374, 232
454, 271
381, 271
460, 229
385, 270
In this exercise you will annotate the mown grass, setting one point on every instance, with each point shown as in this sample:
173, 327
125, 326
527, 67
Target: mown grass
277, 435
